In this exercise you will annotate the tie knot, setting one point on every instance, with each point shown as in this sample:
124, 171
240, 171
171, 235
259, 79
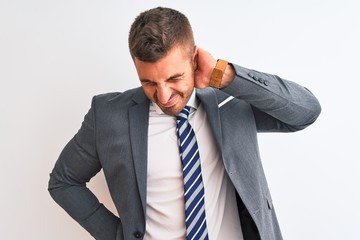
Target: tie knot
184, 114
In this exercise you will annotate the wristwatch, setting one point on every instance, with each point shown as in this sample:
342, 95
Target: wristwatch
217, 73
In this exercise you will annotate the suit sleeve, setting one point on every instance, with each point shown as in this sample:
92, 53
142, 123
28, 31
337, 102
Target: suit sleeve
279, 105
76, 165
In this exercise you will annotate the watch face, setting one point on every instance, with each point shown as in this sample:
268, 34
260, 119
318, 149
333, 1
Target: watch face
217, 74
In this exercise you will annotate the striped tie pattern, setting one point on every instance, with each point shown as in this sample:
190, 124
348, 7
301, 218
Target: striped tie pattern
193, 185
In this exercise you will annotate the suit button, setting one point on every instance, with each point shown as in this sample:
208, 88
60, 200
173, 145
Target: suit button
251, 75
138, 234
266, 83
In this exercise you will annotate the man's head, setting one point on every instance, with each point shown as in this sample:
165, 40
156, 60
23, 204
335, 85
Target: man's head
155, 31
162, 46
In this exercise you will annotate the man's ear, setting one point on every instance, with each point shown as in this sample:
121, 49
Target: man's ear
195, 57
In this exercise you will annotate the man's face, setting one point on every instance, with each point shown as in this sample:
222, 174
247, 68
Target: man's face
169, 82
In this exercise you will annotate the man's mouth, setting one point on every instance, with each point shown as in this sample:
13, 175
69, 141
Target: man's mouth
172, 101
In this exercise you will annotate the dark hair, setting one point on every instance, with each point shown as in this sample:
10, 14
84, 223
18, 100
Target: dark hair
155, 31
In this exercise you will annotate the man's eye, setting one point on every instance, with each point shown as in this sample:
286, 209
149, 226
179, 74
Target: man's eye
150, 83
174, 79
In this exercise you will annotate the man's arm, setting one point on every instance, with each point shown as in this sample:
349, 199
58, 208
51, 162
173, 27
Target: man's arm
278, 104
77, 164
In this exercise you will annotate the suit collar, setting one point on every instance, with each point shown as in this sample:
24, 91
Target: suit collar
140, 96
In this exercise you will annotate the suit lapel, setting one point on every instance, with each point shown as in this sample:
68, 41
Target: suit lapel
138, 123
208, 99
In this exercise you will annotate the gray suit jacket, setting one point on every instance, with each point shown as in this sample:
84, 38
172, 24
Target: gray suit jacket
113, 137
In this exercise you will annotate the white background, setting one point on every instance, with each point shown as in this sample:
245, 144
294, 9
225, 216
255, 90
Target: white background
55, 55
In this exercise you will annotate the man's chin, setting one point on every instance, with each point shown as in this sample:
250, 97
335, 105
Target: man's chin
172, 111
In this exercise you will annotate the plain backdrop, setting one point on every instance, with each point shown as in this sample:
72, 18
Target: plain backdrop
55, 55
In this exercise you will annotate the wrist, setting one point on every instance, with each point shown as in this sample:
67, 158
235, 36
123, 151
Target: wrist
222, 74
228, 76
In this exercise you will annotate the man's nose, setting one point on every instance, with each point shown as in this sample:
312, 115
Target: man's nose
163, 94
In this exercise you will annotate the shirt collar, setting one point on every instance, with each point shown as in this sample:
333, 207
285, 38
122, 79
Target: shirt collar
193, 103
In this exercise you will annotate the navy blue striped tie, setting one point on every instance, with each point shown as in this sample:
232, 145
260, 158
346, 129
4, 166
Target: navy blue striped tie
193, 186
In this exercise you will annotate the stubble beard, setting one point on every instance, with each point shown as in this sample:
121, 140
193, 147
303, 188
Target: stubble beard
175, 109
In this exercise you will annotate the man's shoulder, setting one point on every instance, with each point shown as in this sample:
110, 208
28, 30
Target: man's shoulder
118, 101
117, 97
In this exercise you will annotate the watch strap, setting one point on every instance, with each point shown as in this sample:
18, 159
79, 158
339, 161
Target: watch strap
218, 73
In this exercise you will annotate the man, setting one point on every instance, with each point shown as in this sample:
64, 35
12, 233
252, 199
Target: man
133, 137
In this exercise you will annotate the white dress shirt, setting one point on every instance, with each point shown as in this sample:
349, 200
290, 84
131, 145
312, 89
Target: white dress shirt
165, 213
